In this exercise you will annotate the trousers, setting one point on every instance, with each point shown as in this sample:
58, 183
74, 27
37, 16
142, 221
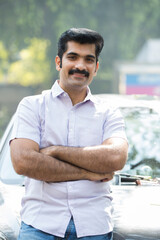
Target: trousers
28, 232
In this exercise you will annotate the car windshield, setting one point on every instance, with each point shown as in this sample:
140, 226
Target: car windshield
143, 133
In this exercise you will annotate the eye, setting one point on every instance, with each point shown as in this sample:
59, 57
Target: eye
90, 60
71, 57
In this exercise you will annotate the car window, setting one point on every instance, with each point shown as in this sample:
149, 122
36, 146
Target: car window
143, 133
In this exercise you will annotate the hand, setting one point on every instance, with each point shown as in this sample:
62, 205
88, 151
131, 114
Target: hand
108, 178
105, 177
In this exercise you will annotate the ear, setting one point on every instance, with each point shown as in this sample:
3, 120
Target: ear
96, 70
58, 63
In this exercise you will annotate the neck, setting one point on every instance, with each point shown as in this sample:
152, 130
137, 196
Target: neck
77, 96
76, 93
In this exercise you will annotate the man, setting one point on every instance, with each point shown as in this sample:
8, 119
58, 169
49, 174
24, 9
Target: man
68, 144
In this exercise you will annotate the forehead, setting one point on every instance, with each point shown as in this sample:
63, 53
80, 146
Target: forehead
81, 49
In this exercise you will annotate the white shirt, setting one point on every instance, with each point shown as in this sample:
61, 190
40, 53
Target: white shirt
51, 119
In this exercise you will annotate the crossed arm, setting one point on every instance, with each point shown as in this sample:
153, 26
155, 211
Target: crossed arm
59, 163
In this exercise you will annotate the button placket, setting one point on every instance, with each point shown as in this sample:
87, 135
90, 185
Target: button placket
71, 199
71, 125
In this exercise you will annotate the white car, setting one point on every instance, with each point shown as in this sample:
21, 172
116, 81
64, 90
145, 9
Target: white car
11, 191
136, 189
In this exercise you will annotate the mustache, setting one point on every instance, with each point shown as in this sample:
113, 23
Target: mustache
86, 73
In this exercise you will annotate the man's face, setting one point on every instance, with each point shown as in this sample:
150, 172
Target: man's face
78, 66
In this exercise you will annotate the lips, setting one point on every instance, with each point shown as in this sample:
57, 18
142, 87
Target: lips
78, 75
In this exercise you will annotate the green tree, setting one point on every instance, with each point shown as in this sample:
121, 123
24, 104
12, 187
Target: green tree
125, 25
4, 55
33, 67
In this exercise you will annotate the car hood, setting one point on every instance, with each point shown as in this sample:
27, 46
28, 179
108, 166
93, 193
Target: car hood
137, 211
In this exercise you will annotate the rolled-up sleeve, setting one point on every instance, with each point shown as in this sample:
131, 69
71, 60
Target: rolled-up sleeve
114, 125
27, 122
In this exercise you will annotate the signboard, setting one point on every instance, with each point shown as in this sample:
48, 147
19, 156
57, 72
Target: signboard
140, 83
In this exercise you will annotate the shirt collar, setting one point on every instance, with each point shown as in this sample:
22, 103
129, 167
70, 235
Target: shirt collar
89, 96
57, 91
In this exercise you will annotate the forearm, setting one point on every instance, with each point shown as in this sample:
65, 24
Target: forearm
28, 161
49, 169
46, 168
104, 158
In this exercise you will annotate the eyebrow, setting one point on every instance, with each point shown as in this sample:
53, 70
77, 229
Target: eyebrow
76, 54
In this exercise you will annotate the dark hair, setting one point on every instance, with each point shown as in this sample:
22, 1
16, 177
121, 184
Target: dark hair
80, 35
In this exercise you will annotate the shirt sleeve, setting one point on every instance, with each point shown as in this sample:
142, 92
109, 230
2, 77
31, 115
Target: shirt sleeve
27, 122
114, 125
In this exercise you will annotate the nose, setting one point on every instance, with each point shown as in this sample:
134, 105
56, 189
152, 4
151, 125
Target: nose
80, 64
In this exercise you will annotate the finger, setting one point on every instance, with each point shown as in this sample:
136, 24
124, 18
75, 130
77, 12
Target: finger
105, 180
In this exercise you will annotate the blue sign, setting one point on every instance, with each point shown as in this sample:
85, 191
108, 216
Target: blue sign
143, 80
